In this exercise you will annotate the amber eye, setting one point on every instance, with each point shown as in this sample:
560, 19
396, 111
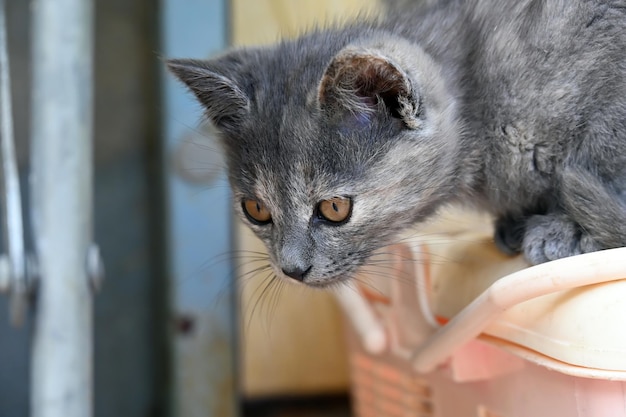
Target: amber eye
336, 210
256, 212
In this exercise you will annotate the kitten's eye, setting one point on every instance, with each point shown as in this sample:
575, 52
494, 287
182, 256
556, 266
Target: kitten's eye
337, 210
256, 212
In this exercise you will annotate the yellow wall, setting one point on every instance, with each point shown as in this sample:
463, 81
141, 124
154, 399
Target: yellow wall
292, 344
257, 22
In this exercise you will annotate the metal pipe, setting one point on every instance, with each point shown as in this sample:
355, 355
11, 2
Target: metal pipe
12, 207
61, 187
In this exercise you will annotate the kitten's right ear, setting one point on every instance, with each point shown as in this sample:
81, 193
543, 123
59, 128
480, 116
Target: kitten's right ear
225, 103
364, 81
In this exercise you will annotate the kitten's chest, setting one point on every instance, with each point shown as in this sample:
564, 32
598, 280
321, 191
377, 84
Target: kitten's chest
528, 148
521, 162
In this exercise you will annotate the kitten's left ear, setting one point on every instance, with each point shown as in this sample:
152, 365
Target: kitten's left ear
364, 82
225, 103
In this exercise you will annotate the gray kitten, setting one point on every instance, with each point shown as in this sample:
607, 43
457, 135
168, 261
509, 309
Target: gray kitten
339, 140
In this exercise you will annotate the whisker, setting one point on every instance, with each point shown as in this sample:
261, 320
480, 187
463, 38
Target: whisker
263, 299
367, 284
264, 284
275, 300
246, 276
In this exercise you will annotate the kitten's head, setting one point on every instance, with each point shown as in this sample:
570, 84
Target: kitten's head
331, 150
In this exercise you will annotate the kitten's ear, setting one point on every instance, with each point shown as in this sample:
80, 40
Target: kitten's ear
225, 102
363, 81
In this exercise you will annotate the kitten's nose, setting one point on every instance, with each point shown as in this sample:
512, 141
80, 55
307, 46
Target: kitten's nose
297, 273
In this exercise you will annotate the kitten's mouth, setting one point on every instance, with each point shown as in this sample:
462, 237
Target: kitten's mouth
323, 282
323, 277
372, 271
328, 282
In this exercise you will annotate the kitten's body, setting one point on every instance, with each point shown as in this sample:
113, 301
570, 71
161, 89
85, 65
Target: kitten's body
518, 107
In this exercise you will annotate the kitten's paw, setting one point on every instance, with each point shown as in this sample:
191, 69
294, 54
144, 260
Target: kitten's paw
587, 244
549, 237
509, 234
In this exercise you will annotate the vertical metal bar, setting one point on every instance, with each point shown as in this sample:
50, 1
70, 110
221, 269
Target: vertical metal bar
203, 299
62, 206
13, 222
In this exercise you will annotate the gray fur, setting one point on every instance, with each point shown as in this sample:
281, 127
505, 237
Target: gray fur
515, 106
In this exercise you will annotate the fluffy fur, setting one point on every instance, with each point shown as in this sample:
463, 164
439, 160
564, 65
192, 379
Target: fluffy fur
514, 106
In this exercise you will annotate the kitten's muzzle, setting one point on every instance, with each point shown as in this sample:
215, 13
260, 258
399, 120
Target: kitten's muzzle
297, 273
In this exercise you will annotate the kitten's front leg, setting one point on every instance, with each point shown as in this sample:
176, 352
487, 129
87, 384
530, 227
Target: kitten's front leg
554, 236
509, 234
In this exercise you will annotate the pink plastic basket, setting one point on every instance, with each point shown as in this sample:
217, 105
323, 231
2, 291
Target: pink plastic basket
543, 341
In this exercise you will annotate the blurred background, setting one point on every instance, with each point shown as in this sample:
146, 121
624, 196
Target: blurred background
182, 325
